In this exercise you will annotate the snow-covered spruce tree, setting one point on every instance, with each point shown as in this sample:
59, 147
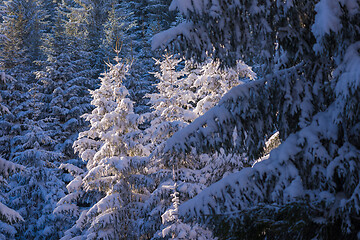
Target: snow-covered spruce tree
213, 82
42, 136
65, 76
173, 227
78, 200
97, 12
21, 27
63, 83
4, 80
138, 21
82, 50
168, 117
309, 186
84, 34
28, 142
13, 93
171, 104
140, 81
7, 216
35, 192
183, 92
35, 140
88, 23
114, 164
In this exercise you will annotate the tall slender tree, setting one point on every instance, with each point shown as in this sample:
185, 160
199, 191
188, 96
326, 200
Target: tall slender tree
114, 165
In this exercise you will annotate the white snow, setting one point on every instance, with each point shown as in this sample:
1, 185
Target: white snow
165, 37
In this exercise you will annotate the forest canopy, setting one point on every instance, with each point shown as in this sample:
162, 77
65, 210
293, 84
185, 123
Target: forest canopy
182, 119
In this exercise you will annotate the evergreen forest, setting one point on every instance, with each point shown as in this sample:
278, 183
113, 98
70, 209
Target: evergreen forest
180, 119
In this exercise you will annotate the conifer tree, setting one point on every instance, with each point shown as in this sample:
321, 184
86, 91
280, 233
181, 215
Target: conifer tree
29, 141
21, 26
302, 91
169, 115
7, 215
114, 165
32, 137
116, 29
173, 225
35, 192
140, 81
184, 91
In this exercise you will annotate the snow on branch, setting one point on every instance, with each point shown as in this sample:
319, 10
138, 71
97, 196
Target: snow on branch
74, 170
307, 166
7, 167
164, 38
9, 215
5, 78
215, 129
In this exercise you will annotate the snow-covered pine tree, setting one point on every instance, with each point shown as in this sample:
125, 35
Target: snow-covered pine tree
88, 23
77, 16
140, 81
173, 227
114, 164
63, 84
171, 104
309, 186
97, 12
34, 195
46, 126
31, 136
29, 142
183, 92
24, 142
66, 76
7, 215
88, 144
21, 27
35, 192
13, 93
84, 31
213, 82
168, 117
4, 80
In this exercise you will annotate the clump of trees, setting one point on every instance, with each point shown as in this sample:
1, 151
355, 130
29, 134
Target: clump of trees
188, 144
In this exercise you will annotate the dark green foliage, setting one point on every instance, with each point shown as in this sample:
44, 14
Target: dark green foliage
22, 25
307, 89
298, 220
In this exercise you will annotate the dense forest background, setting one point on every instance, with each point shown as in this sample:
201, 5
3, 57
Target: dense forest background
179, 119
